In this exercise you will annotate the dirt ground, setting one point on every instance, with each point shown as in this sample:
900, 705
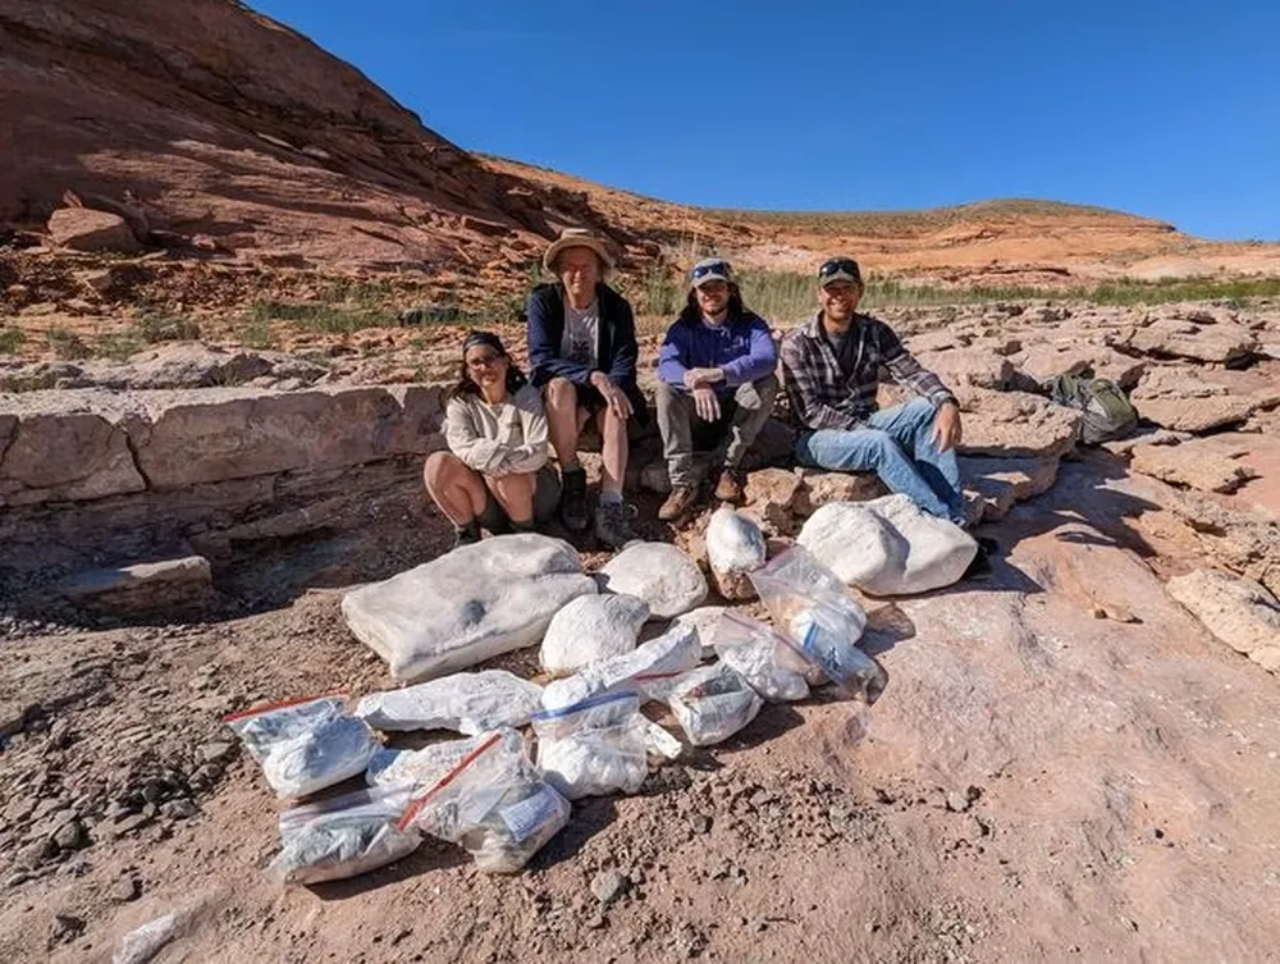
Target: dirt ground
1035, 783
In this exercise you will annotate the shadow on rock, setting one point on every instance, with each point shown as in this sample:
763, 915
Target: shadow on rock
1081, 494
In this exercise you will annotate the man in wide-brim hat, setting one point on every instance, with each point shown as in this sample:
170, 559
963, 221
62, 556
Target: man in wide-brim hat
582, 352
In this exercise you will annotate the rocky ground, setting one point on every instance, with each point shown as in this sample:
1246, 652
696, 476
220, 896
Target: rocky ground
1069, 762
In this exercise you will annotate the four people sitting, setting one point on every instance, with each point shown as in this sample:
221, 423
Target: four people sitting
716, 386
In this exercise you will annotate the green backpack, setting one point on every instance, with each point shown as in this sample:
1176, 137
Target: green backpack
1107, 411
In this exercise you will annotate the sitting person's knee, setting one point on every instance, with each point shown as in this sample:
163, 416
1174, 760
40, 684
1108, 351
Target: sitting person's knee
439, 467
560, 393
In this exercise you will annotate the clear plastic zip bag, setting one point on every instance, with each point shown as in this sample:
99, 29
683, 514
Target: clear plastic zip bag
595, 747
494, 804
305, 745
348, 835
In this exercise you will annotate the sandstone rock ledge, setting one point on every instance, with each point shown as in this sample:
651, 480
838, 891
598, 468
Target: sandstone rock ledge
93, 476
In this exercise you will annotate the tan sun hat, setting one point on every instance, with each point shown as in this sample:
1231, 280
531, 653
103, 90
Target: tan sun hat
577, 238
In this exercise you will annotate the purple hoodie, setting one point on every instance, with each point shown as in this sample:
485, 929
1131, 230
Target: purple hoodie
742, 348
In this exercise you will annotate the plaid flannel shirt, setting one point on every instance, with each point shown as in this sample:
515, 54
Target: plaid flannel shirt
822, 396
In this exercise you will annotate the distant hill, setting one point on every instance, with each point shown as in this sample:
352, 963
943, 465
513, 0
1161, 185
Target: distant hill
225, 136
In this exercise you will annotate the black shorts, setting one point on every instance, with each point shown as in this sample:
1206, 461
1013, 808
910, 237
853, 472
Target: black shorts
546, 498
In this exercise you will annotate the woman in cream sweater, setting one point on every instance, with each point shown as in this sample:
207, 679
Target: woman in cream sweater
495, 475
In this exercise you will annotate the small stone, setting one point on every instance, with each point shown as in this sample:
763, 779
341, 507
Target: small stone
65, 927
70, 835
19, 809
16, 880
33, 855
1099, 612
60, 735
215, 752
181, 809
608, 886
595, 921
700, 823
126, 889
129, 824
957, 802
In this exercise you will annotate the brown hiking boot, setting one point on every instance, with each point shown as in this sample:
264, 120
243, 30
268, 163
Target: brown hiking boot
678, 503
731, 485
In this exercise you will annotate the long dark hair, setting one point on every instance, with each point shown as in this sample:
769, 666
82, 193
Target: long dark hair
691, 314
466, 384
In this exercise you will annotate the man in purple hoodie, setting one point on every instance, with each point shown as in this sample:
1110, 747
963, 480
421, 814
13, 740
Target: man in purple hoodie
716, 381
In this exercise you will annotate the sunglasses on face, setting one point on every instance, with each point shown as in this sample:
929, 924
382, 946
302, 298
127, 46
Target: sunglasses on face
838, 266
720, 268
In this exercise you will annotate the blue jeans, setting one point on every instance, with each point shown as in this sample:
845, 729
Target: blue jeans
895, 444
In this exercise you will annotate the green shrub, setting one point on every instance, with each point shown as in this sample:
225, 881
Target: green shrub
66, 345
153, 328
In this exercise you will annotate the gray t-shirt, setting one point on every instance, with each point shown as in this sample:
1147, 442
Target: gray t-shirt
581, 333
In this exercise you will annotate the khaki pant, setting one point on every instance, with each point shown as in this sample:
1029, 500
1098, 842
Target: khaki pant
742, 415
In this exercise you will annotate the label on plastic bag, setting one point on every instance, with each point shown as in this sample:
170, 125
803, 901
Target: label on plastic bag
526, 816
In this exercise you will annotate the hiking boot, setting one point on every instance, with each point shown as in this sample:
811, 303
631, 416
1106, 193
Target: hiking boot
573, 499
612, 527
467, 535
731, 486
678, 503
980, 570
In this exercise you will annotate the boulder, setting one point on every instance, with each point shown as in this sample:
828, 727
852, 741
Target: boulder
66, 456
1017, 425
166, 586
1003, 482
827, 487
975, 367
735, 547
1198, 414
888, 547
238, 433
1224, 344
1205, 464
591, 628
1240, 612
84, 229
192, 365
780, 488
660, 574
469, 605
1246, 542
1046, 360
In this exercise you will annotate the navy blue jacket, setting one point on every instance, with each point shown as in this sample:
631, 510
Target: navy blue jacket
616, 350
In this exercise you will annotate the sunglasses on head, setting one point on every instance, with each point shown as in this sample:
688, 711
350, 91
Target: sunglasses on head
839, 266
720, 268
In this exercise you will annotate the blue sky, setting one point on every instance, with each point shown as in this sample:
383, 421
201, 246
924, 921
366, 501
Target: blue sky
1169, 109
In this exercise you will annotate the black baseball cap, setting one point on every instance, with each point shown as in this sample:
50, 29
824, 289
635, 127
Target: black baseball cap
839, 269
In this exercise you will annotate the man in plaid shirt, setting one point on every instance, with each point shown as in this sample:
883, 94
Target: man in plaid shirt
831, 365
